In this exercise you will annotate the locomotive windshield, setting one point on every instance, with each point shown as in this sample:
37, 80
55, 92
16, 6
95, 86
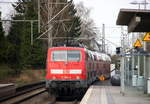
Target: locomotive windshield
66, 55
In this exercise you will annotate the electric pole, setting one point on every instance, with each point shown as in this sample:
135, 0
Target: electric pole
103, 38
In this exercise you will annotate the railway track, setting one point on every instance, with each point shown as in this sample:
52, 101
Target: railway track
65, 102
33, 93
24, 93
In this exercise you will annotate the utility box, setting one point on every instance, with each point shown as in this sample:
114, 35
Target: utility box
148, 85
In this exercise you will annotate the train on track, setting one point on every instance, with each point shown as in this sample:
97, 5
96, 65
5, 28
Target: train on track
73, 69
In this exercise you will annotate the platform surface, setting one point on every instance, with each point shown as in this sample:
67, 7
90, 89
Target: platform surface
6, 85
100, 94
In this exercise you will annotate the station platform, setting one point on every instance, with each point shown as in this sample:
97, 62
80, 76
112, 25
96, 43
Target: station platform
107, 94
6, 85
7, 89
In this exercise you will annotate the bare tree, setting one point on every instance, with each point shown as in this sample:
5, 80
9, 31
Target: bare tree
88, 30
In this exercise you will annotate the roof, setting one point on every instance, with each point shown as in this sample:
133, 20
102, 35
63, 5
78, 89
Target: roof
126, 15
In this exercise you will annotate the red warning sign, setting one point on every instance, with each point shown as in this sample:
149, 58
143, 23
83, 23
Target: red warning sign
138, 43
147, 37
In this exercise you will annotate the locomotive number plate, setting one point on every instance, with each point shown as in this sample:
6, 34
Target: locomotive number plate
66, 71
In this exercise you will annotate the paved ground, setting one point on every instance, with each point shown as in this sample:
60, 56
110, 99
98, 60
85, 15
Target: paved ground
129, 97
104, 93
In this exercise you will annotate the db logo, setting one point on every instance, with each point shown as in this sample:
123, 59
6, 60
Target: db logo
66, 71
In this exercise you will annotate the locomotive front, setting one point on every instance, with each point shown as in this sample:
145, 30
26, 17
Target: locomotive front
65, 69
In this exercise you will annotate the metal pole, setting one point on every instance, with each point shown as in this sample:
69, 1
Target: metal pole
122, 75
133, 63
139, 62
138, 66
145, 4
57, 13
125, 69
133, 67
31, 32
139, 5
146, 69
103, 38
19, 20
145, 72
48, 24
128, 73
39, 16
122, 65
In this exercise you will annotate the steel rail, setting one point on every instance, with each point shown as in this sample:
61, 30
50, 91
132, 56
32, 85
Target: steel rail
67, 102
24, 97
24, 92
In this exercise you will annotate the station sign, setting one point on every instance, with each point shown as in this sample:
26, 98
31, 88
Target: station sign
138, 43
147, 37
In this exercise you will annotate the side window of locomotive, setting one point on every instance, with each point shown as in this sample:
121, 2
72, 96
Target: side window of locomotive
73, 55
64, 55
59, 55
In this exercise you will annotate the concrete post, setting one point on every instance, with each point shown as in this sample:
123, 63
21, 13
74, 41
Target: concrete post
128, 71
125, 71
133, 66
122, 75
138, 71
138, 66
146, 69
145, 76
148, 78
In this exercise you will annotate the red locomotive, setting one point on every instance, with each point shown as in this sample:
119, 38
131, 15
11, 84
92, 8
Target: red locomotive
73, 68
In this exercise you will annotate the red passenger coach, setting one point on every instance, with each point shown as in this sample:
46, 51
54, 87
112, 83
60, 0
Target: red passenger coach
70, 68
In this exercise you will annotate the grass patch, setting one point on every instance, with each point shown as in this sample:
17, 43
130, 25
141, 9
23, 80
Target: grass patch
8, 75
30, 76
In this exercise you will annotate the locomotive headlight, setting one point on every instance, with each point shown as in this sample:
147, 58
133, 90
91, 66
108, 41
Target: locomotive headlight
56, 71
53, 77
76, 71
77, 77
